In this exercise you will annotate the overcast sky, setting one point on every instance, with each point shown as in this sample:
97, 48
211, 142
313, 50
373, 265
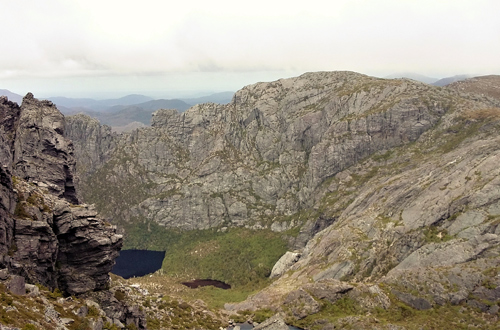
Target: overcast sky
101, 48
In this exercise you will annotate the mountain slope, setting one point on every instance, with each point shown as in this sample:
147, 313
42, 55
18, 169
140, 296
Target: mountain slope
99, 105
387, 190
413, 76
263, 156
222, 98
448, 80
484, 86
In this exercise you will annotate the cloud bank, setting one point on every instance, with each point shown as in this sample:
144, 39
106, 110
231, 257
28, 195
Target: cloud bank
83, 42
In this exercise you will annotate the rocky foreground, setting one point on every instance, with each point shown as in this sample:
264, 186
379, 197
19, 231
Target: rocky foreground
50, 244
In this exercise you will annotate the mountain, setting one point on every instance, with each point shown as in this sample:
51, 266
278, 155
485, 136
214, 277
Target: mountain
122, 115
221, 98
11, 96
153, 105
483, 86
385, 191
446, 81
98, 105
413, 76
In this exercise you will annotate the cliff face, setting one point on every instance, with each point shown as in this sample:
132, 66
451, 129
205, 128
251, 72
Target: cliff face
389, 184
260, 158
46, 236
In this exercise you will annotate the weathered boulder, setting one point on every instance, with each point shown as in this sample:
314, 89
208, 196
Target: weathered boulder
16, 285
300, 304
275, 322
284, 263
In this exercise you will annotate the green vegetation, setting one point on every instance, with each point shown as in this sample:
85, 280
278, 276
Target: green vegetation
398, 314
182, 316
239, 256
433, 234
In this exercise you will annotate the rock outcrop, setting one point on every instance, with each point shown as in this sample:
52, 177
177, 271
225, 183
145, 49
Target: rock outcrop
389, 189
46, 236
257, 160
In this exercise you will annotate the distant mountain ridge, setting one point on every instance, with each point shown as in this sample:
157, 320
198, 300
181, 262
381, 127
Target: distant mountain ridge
121, 113
221, 98
99, 105
483, 85
413, 76
11, 96
449, 80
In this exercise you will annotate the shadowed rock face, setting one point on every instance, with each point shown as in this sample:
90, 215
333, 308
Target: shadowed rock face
45, 235
41, 153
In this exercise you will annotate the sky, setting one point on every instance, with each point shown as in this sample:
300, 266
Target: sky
103, 48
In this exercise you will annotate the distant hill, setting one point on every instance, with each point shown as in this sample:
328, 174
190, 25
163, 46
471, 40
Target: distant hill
154, 105
220, 98
449, 80
11, 96
413, 76
119, 116
99, 105
482, 85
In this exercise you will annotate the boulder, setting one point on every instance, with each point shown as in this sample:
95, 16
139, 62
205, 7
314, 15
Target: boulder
284, 263
16, 285
276, 322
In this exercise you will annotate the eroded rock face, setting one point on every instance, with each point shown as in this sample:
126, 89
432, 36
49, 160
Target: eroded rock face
393, 184
258, 159
9, 114
45, 235
41, 153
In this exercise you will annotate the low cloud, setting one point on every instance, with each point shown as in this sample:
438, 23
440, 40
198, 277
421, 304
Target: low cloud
110, 38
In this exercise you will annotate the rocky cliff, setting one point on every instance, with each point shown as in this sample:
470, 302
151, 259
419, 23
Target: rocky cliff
46, 236
258, 159
389, 189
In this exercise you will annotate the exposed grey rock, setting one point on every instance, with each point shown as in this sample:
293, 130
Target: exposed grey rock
336, 271
264, 154
15, 284
301, 304
387, 183
275, 322
45, 236
4, 274
410, 300
284, 263
51, 315
119, 311
41, 153
330, 290
32, 290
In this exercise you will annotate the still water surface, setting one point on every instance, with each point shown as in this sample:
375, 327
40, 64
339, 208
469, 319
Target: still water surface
136, 263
